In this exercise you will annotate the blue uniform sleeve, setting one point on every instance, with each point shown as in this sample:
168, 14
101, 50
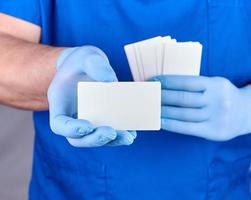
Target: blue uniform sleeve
28, 10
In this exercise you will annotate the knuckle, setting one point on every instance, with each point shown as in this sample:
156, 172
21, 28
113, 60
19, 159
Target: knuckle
128, 139
95, 50
105, 138
93, 59
90, 54
112, 135
82, 50
88, 49
133, 134
102, 140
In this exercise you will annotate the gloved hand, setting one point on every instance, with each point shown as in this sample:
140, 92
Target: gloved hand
211, 108
85, 63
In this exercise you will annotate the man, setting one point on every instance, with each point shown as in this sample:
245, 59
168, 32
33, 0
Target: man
204, 149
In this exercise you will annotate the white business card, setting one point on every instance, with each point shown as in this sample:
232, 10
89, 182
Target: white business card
121, 105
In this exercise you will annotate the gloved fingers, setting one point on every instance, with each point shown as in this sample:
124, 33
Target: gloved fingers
184, 114
100, 137
183, 99
183, 83
123, 138
186, 128
90, 61
69, 127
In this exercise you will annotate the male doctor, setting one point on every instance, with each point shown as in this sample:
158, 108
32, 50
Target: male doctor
204, 148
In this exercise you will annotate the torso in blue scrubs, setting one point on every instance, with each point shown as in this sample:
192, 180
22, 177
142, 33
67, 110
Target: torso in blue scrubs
159, 165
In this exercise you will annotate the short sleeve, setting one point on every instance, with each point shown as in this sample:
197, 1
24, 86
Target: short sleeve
28, 10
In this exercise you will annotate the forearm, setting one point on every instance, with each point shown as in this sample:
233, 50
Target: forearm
26, 70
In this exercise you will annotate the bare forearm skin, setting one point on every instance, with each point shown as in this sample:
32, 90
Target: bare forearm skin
26, 70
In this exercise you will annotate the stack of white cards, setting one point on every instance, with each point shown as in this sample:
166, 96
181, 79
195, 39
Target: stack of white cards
163, 55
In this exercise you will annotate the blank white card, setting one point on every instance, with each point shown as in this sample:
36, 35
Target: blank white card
121, 105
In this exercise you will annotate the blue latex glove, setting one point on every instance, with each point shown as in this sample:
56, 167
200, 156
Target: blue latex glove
211, 108
85, 63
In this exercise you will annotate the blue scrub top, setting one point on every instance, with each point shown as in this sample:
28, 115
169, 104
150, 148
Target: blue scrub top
159, 165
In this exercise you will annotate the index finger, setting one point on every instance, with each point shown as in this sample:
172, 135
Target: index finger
183, 83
